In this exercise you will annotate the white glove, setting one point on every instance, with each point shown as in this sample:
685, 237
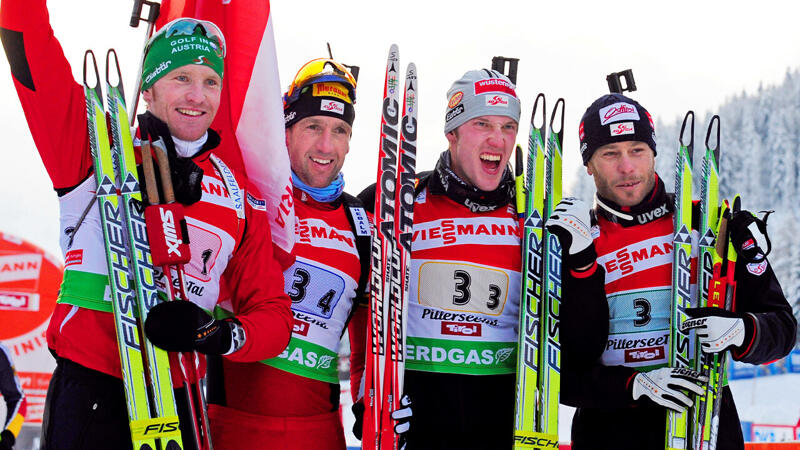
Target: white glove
716, 329
403, 417
662, 386
571, 222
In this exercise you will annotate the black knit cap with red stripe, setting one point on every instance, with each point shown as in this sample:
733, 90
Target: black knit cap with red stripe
614, 118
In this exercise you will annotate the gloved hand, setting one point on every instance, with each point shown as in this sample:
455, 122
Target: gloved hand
662, 386
718, 329
358, 413
403, 418
749, 236
182, 326
571, 222
7, 440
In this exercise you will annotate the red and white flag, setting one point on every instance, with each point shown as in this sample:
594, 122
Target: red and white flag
251, 107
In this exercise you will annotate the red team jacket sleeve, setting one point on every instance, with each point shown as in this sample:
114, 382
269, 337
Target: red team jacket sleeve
357, 330
54, 104
255, 281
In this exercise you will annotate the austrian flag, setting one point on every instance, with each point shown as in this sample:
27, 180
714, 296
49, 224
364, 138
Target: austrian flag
251, 107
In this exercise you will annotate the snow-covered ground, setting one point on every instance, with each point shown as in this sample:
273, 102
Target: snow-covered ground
774, 399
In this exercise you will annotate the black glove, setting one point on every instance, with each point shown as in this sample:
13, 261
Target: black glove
7, 440
749, 236
663, 386
719, 329
358, 413
182, 326
571, 222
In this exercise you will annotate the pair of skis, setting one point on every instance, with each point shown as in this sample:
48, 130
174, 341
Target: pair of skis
152, 410
696, 428
390, 256
539, 348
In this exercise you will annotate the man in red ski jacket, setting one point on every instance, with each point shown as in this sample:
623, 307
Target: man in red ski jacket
615, 312
464, 283
231, 250
291, 401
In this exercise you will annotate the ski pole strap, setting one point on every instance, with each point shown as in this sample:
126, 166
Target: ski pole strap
80, 221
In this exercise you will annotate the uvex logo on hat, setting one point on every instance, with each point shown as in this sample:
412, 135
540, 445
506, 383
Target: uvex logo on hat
494, 85
332, 106
497, 100
617, 112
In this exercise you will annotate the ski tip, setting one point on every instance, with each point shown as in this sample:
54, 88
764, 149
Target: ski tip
713, 130
411, 70
394, 52
559, 103
536, 109
687, 119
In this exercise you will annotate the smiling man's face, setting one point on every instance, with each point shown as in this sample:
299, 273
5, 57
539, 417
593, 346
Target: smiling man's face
186, 99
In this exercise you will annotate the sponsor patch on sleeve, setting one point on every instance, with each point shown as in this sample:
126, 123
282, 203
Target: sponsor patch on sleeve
757, 269
74, 257
256, 203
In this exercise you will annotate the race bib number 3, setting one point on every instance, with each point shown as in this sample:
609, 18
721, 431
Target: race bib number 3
313, 290
462, 287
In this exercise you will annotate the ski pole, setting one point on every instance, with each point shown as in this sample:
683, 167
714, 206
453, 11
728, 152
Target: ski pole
154, 9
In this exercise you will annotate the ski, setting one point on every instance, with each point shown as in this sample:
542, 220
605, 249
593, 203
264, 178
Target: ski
530, 205
401, 255
132, 208
709, 221
376, 417
678, 433
550, 344
145, 427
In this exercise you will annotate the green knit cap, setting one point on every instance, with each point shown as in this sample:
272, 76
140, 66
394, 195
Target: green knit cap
180, 43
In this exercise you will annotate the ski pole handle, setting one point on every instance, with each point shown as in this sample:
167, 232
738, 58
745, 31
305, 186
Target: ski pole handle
163, 170
149, 172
